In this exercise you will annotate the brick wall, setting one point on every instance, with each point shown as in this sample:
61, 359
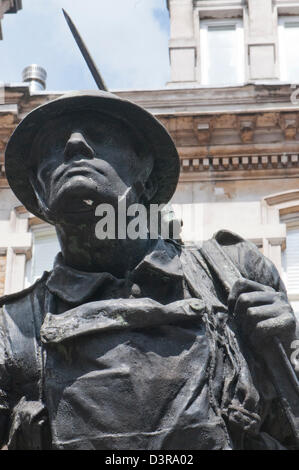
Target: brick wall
2, 273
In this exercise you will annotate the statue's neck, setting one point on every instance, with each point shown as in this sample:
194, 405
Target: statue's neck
83, 251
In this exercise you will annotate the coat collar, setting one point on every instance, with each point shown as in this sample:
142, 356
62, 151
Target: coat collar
76, 287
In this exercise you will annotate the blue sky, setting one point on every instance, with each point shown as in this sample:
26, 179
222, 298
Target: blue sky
128, 40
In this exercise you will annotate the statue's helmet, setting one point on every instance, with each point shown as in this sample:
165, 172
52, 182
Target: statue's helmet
147, 128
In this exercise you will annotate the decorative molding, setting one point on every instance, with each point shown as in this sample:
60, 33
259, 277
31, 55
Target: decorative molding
35, 221
20, 210
247, 126
220, 8
290, 210
287, 7
212, 143
203, 129
280, 198
289, 125
240, 162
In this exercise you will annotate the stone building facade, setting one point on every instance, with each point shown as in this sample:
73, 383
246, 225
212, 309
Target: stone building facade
236, 126
8, 6
236, 62
215, 42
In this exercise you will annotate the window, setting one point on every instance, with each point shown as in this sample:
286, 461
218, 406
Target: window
45, 248
290, 263
288, 48
222, 52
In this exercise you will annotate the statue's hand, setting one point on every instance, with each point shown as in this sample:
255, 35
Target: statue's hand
261, 313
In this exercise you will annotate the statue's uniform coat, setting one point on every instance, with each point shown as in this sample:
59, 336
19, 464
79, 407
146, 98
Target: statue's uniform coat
88, 361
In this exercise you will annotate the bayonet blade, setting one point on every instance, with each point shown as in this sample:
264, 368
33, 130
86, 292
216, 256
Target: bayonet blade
84, 51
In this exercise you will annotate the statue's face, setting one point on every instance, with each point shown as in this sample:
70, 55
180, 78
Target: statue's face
82, 161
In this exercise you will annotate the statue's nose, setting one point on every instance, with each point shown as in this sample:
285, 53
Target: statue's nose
77, 146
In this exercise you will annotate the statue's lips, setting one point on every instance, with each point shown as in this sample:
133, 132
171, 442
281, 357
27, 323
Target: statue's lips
77, 186
80, 171
79, 168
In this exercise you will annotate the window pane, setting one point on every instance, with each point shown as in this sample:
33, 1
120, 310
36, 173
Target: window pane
44, 251
295, 307
223, 55
292, 261
291, 51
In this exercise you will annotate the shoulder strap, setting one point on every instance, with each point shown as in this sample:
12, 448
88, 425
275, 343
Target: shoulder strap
220, 263
18, 295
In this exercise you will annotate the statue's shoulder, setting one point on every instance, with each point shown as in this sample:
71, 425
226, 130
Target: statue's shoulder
227, 238
25, 293
232, 243
249, 259
21, 316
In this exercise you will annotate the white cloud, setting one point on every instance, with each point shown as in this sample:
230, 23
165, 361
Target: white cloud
125, 37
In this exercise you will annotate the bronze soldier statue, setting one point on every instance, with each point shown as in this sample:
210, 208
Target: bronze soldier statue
134, 344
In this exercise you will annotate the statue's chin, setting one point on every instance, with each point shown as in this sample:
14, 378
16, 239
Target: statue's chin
76, 201
73, 215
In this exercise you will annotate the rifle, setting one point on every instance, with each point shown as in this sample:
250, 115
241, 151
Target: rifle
84, 51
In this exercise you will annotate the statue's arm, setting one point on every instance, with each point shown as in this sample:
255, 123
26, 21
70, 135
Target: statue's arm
264, 316
259, 301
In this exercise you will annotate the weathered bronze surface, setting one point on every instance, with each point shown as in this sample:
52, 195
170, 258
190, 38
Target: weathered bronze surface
135, 344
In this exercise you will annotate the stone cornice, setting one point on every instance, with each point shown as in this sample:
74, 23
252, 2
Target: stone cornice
281, 198
213, 139
220, 8
193, 100
204, 100
287, 7
240, 167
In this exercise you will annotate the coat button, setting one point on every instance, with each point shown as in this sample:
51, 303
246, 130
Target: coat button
197, 305
135, 290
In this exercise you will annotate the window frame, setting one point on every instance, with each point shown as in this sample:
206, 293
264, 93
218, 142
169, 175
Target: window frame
39, 232
204, 54
293, 296
282, 20
292, 223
